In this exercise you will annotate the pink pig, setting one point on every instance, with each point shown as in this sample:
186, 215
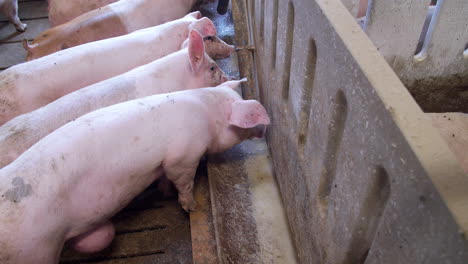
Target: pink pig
74, 180
112, 20
61, 11
193, 65
28, 86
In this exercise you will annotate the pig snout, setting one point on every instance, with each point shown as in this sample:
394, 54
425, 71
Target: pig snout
221, 77
216, 76
217, 48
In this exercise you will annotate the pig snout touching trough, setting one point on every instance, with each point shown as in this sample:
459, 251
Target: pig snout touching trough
453, 127
72, 191
10, 9
112, 20
189, 68
216, 47
69, 70
61, 11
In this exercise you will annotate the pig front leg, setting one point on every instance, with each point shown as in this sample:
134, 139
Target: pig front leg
11, 12
183, 179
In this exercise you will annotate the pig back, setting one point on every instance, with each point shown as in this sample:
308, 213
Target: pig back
63, 11
139, 14
69, 70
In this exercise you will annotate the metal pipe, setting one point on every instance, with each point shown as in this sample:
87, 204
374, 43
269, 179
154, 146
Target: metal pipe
223, 6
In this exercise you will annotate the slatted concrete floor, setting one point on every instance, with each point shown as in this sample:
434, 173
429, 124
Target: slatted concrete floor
150, 230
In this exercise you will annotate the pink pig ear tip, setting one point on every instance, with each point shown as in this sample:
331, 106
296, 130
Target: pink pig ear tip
196, 14
266, 119
195, 32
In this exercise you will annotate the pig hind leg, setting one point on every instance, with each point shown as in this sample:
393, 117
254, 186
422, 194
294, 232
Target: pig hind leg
11, 12
95, 240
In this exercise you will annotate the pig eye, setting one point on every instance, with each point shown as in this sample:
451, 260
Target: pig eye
209, 38
212, 68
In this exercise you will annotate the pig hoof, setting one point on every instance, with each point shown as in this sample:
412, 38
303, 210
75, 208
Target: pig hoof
21, 27
192, 207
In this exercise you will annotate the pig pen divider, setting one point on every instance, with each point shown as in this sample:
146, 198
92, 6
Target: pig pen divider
363, 174
437, 75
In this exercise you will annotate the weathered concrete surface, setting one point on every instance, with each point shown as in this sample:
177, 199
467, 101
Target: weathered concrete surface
363, 174
437, 76
249, 217
268, 211
235, 227
453, 127
244, 42
11, 54
201, 222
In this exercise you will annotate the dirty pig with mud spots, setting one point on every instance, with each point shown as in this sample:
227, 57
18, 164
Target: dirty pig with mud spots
9, 101
19, 190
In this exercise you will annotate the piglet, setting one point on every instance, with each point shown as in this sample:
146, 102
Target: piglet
61, 11
186, 69
73, 181
112, 20
28, 86
10, 9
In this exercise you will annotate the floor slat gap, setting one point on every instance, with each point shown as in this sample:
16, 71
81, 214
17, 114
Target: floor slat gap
104, 258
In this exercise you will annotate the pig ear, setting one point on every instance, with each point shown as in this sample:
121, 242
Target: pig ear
209, 28
196, 15
196, 50
205, 26
248, 114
